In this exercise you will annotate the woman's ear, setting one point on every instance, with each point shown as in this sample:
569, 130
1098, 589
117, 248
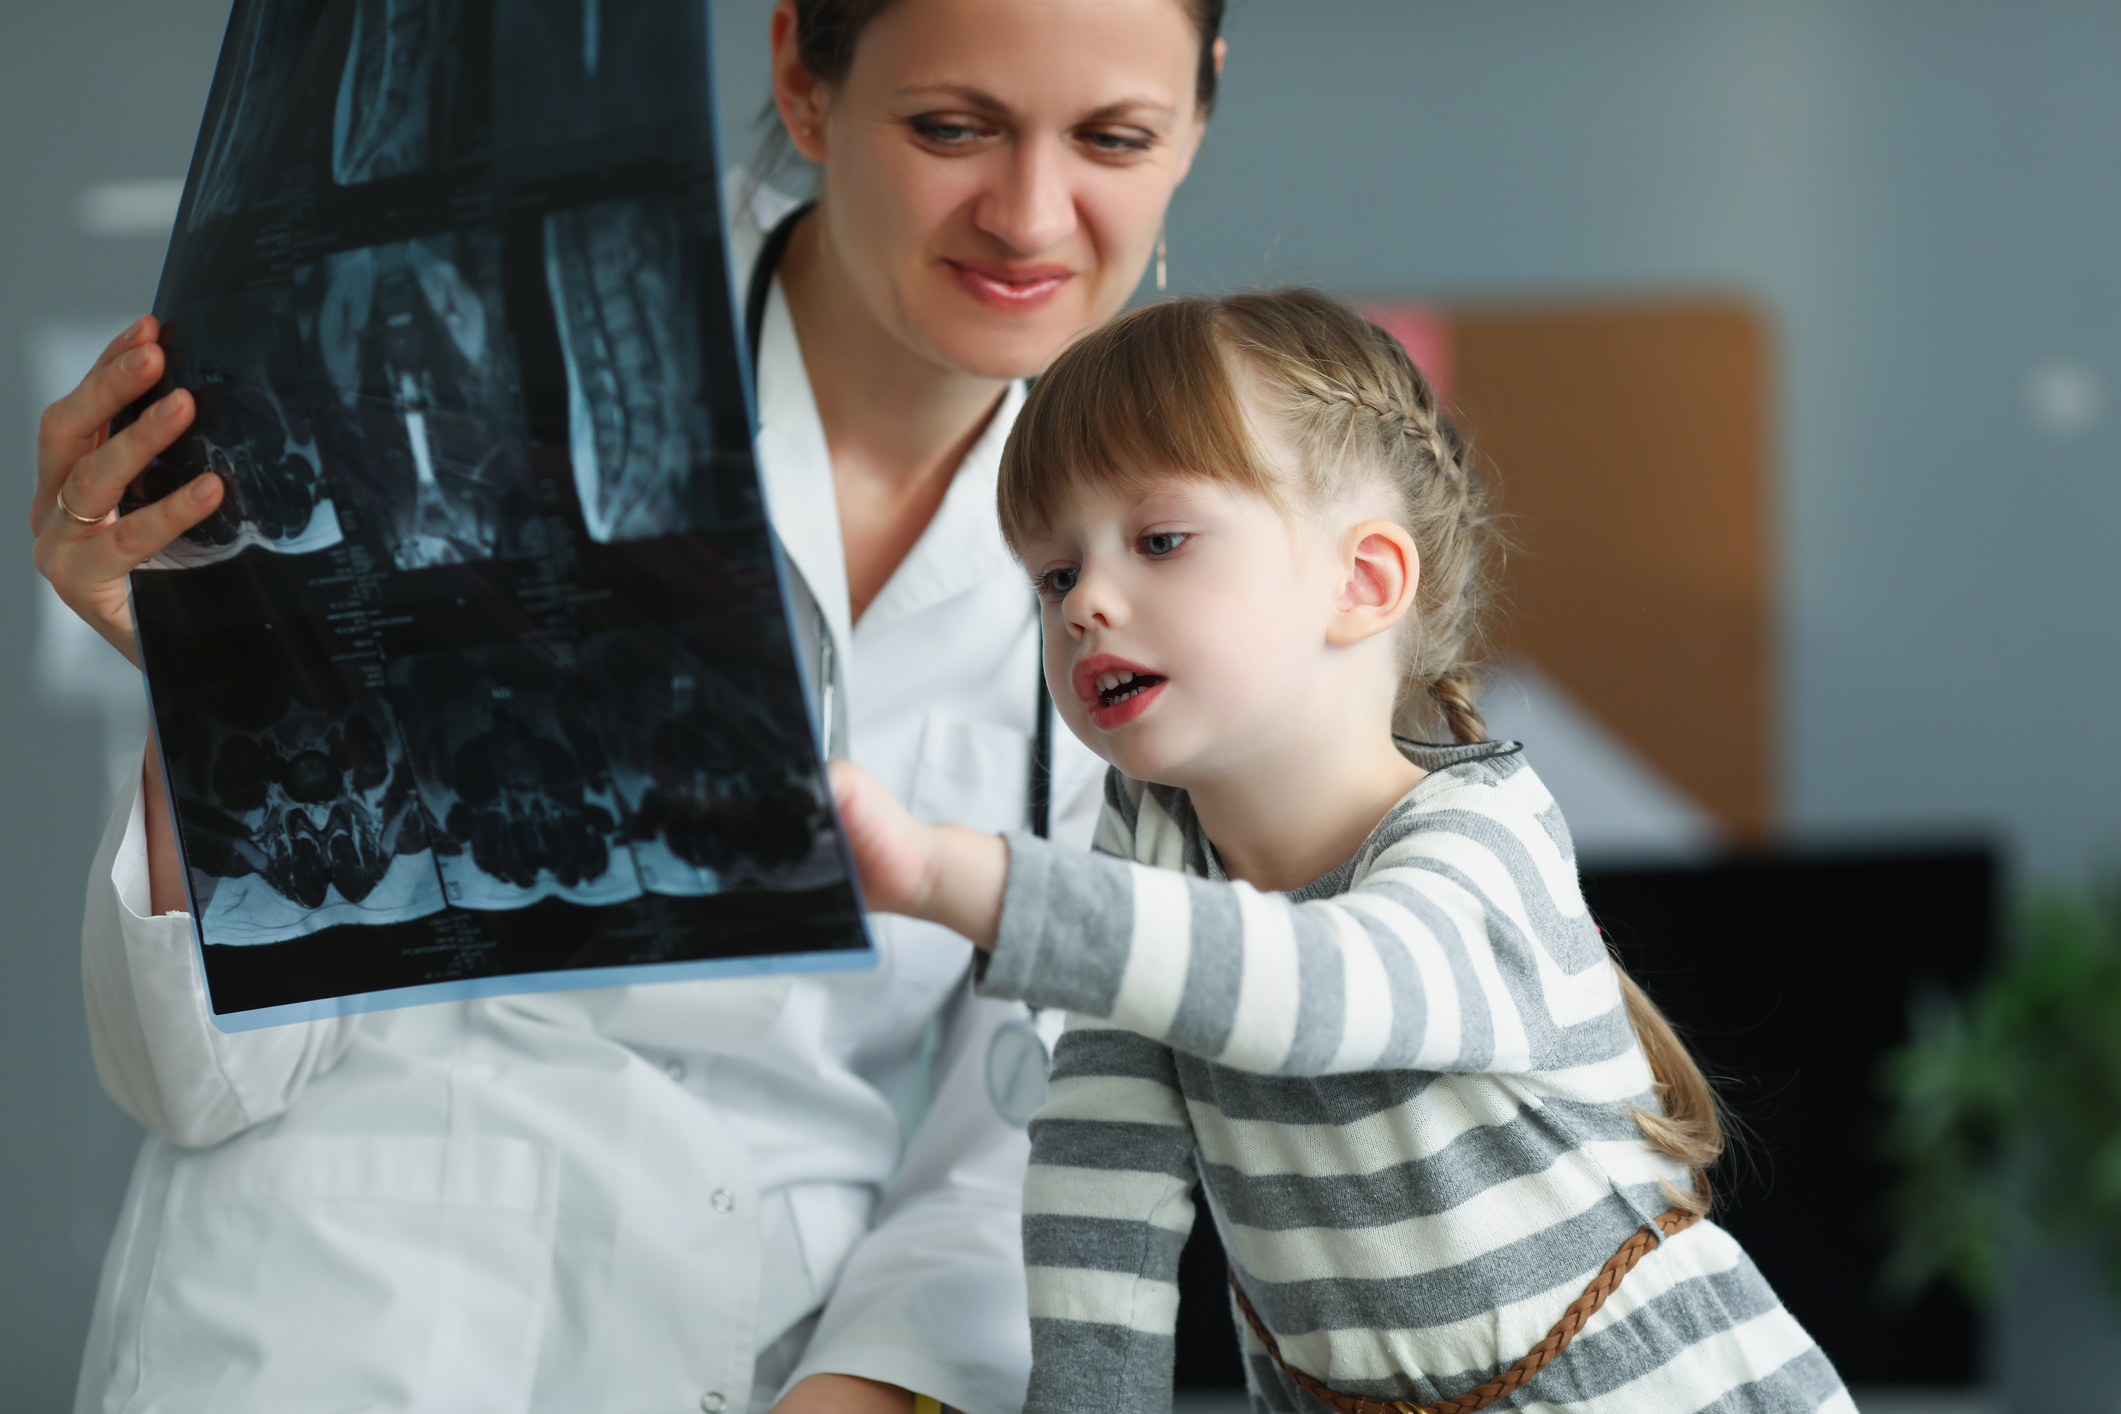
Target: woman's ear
797, 94
1380, 570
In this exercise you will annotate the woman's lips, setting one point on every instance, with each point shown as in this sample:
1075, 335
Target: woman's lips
1015, 289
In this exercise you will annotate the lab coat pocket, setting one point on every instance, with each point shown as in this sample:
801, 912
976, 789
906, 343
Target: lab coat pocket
359, 1272
972, 773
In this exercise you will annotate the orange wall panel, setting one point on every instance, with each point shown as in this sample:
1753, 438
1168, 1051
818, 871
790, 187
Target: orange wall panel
1631, 446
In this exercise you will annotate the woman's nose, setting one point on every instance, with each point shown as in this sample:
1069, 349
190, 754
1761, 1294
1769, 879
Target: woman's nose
1031, 207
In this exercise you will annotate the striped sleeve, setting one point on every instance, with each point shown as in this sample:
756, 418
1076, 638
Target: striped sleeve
1108, 1203
1463, 945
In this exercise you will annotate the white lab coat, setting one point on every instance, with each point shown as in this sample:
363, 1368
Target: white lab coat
634, 1199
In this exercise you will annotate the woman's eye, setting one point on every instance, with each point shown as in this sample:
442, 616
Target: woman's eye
1116, 144
1057, 584
946, 133
1162, 542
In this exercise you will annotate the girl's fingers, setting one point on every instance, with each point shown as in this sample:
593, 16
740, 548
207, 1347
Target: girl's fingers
98, 480
73, 426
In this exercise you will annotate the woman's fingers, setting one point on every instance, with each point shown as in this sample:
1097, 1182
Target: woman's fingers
83, 547
148, 530
115, 549
75, 426
88, 565
96, 482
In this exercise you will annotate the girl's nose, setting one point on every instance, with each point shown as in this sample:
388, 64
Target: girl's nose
1093, 603
1030, 207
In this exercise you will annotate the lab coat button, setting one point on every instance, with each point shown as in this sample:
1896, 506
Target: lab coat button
723, 1201
675, 1069
712, 1402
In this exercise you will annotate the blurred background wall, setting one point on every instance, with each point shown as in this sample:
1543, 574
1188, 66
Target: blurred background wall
1918, 202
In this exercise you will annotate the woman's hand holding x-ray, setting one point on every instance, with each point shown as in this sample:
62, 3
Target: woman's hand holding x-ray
79, 459
946, 874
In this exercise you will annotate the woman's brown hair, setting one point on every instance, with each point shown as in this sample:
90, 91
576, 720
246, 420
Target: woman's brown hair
827, 31
1165, 389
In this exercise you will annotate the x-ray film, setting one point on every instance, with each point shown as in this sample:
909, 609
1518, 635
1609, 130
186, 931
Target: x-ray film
481, 680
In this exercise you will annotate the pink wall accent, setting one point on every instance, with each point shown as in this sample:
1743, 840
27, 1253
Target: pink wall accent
1425, 331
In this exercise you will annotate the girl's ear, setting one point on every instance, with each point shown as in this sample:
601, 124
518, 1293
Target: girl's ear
1381, 569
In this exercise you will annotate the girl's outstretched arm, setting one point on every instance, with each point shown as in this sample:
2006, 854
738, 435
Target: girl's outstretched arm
1462, 943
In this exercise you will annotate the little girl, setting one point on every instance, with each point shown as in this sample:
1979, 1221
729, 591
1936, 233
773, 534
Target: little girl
1343, 981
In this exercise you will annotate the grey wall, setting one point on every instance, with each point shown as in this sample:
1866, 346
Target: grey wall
90, 91
1922, 197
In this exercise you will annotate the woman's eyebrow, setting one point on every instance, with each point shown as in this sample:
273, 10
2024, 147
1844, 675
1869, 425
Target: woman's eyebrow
963, 93
983, 101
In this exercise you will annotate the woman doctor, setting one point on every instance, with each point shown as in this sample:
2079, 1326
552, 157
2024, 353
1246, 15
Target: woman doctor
694, 1196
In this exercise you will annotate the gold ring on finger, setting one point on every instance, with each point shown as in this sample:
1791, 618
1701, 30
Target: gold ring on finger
72, 514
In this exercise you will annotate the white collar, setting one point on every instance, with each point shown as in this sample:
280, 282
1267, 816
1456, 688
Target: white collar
795, 467
961, 547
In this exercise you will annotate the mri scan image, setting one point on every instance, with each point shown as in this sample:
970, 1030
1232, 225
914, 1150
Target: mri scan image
265, 50
480, 679
513, 778
259, 438
639, 437
427, 422
298, 809
581, 83
386, 119
716, 792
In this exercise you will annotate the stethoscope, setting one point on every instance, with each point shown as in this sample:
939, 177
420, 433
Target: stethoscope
1017, 1058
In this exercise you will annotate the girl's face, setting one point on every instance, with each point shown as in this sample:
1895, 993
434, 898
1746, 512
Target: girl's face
995, 172
1185, 623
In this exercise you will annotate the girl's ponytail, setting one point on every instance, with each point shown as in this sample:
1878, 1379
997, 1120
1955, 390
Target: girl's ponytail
1688, 1125
1452, 692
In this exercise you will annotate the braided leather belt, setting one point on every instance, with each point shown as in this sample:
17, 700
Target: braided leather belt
1541, 1355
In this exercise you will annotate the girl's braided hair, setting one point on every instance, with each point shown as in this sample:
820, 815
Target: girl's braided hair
1164, 389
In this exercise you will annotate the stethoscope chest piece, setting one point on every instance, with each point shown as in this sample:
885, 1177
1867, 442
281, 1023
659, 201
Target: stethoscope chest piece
1016, 1071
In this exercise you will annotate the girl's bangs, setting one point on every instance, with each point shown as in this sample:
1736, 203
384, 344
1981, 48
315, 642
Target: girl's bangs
1149, 395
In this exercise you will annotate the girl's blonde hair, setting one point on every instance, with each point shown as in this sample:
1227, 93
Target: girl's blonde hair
1165, 389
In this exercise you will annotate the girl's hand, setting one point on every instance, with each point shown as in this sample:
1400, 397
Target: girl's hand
79, 460
946, 874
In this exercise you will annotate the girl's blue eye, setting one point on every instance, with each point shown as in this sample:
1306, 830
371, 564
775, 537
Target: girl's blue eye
1162, 542
1058, 583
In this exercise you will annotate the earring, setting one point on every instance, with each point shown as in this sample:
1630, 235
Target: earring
1160, 260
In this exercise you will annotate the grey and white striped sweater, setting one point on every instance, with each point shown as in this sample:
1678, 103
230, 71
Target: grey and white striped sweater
1406, 1090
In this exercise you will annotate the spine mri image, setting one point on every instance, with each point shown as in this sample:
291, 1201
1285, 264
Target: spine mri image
618, 281
412, 341
482, 673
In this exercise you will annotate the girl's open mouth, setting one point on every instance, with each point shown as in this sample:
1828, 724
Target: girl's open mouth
1115, 688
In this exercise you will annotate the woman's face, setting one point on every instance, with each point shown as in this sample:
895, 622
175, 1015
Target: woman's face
996, 171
